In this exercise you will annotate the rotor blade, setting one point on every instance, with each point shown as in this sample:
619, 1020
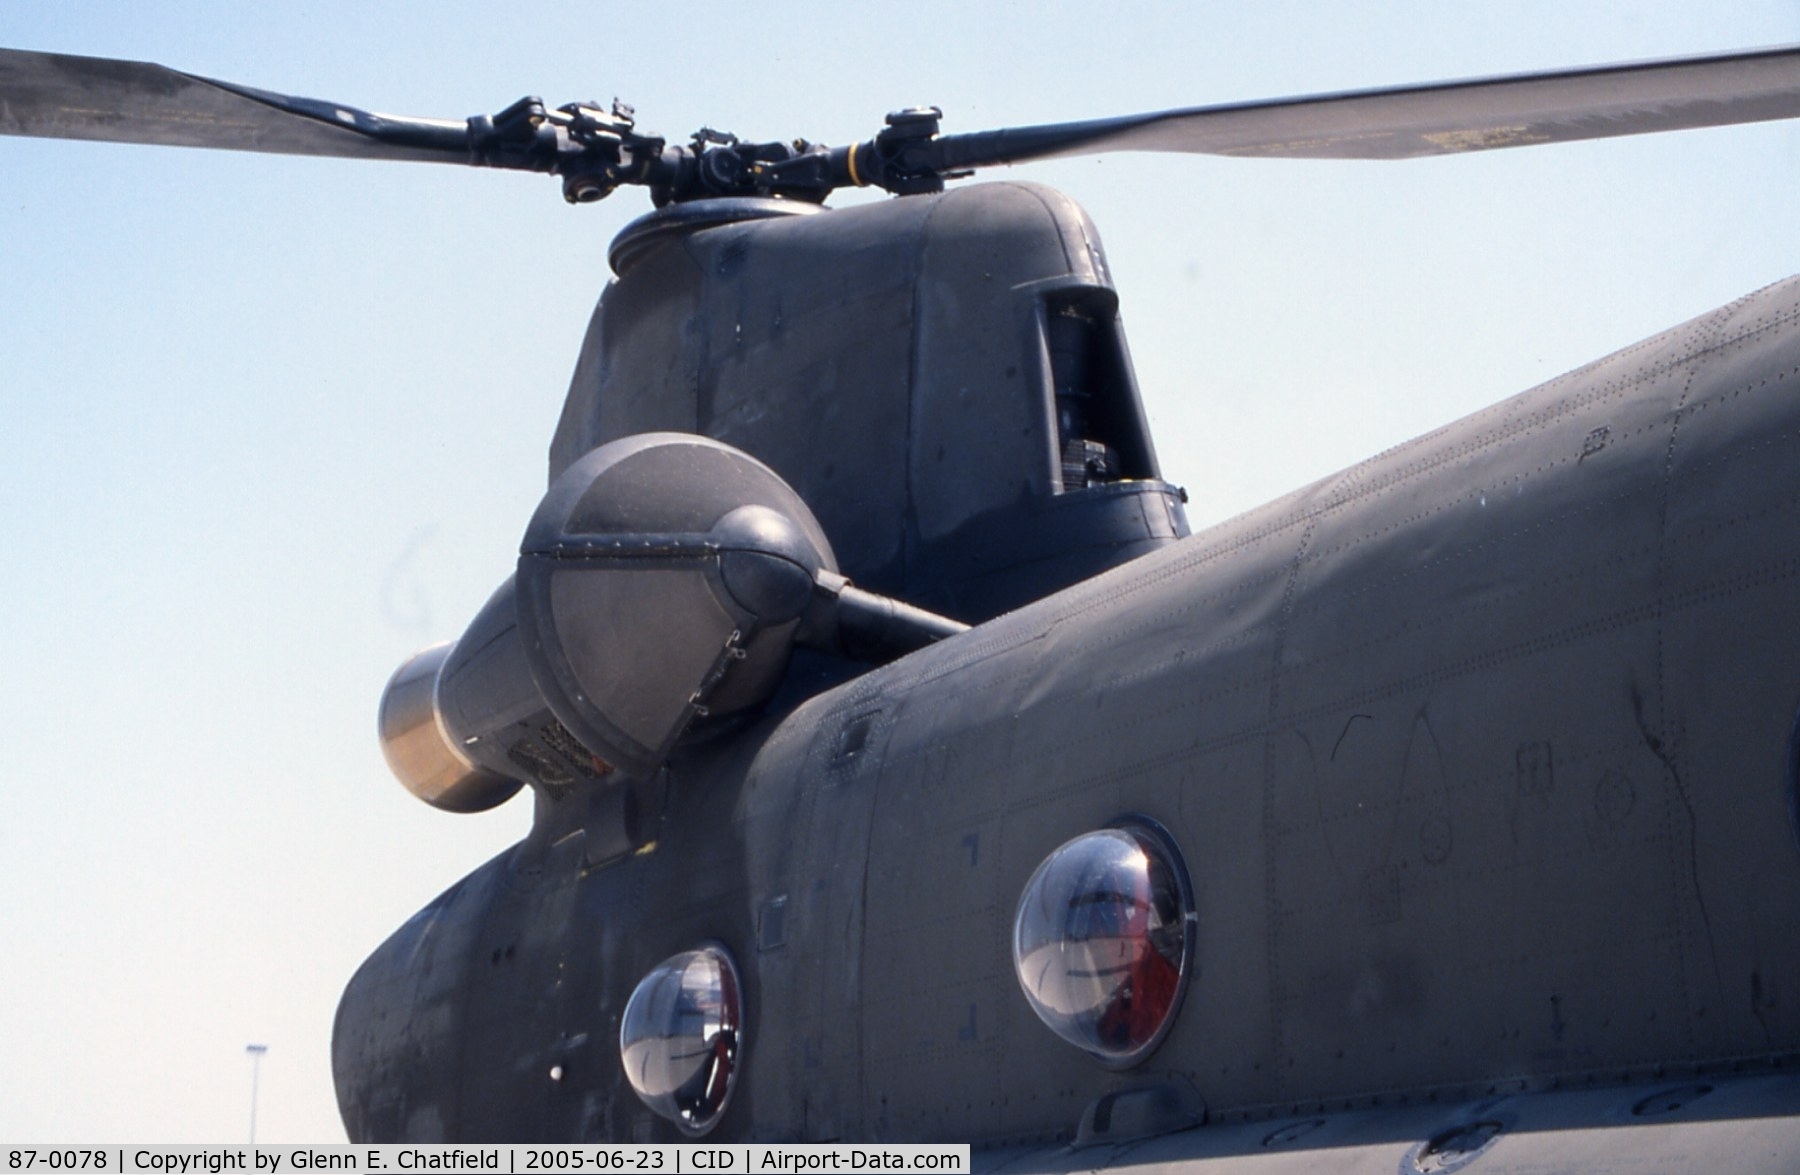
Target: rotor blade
1435, 119
51, 95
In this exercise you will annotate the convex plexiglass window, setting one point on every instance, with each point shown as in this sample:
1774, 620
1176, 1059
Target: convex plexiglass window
682, 1037
1102, 942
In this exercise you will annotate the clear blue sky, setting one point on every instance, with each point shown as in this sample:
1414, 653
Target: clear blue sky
272, 424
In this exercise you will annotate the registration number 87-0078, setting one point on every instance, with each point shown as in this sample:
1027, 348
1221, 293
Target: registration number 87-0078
65, 1160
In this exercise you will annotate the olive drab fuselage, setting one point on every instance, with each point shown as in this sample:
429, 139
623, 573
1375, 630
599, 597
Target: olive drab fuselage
1477, 756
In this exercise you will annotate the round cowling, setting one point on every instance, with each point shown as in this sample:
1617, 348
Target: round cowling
662, 578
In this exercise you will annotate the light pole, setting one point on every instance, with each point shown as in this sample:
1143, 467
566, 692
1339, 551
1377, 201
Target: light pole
256, 1052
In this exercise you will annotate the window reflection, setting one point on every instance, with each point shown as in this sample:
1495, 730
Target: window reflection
1101, 941
681, 1037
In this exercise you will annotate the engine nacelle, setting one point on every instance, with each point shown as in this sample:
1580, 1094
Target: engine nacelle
463, 724
664, 577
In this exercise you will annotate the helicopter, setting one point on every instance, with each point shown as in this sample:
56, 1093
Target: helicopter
1140, 461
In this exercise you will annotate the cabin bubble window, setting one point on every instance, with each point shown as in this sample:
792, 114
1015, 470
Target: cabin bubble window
1103, 940
682, 1037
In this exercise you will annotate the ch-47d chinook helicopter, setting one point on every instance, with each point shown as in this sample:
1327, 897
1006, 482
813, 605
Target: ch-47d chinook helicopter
903, 770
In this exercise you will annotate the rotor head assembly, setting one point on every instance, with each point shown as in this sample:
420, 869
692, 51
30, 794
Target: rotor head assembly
597, 148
